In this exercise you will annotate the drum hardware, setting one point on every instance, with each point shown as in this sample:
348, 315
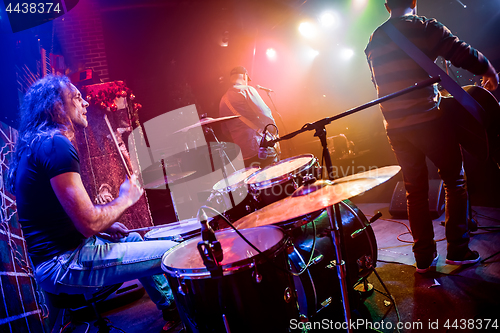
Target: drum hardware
365, 288
288, 295
333, 264
257, 277
317, 259
370, 221
182, 289
209, 247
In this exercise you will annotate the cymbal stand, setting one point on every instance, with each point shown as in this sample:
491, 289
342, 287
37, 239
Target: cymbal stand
334, 210
222, 154
336, 229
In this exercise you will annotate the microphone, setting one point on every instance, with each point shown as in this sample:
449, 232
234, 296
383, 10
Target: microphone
265, 89
262, 146
208, 234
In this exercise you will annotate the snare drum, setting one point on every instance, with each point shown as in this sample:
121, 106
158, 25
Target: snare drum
254, 294
234, 185
176, 231
279, 180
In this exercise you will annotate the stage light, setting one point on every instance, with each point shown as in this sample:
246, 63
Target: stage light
271, 54
359, 4
313, 53
346, 53
307, 29
327, 19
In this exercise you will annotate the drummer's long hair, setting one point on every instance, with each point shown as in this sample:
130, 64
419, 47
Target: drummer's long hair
42, 115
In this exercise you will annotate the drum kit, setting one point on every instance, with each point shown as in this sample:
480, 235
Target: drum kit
287, 244
277, 258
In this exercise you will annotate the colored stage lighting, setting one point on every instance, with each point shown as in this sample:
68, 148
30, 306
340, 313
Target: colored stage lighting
307, 29
271, 54
346, 53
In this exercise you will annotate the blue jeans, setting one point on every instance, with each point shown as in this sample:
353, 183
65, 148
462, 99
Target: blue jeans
437, 141
98, 263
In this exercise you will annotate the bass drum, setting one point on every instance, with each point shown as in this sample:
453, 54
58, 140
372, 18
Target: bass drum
318, 286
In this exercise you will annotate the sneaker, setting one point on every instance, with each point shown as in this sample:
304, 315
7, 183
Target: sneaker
171, 317
425, 268
471, 257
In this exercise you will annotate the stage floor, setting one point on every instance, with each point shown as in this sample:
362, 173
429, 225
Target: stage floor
462, 296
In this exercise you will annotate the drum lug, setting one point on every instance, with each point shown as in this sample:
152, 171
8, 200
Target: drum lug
333, 264
256, 275
182, 289
288, 295
365, 262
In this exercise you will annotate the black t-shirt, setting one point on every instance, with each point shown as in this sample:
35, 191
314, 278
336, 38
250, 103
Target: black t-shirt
46, 226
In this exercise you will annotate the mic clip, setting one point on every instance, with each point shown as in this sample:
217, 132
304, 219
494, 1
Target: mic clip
206, 250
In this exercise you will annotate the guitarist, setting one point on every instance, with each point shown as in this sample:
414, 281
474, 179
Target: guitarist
246, 131
417, 129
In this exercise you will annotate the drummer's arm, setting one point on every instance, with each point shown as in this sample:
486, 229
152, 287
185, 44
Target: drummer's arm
90, 219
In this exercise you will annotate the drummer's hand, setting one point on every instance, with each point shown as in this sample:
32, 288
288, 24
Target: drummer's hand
131, 190
116, 232
490, 79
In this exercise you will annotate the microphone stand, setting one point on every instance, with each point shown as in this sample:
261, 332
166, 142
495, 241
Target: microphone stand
291, 147
334, 210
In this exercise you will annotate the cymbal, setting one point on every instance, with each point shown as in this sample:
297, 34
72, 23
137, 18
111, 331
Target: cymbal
206, 121
171, 179
318, 195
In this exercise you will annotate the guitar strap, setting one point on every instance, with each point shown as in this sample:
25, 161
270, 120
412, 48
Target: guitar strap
466, 100
246, 121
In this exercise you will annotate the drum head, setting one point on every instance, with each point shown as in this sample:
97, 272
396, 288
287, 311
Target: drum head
185, 257
235, 178
171, 230
283, 168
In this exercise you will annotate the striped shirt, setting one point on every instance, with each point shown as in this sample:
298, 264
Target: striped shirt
392, 69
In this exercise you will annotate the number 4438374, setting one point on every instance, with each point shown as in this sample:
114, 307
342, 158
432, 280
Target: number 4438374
32, 8
475, 324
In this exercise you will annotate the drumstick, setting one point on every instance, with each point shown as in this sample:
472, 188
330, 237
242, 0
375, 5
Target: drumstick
146, 228
129, 174
174, 224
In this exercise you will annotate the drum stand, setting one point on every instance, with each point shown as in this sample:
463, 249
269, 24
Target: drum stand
222, 155
334, 210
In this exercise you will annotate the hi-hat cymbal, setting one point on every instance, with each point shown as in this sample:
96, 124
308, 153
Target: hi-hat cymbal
318, 195
206, 121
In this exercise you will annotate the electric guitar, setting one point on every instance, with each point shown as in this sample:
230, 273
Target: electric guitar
481, 140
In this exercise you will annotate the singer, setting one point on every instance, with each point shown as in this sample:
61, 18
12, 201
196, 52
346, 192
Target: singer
248, 130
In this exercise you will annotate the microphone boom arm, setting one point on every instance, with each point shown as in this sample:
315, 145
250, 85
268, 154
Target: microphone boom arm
325, 121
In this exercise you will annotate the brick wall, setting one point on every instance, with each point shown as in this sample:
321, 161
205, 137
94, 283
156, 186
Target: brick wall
80, 34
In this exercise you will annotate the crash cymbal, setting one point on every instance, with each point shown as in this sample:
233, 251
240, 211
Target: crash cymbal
171, 179
318, 195
206, 121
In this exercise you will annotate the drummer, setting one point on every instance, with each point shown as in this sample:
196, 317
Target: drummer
76, 246
244, 100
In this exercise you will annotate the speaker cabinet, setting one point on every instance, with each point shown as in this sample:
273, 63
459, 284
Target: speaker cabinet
397, 207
